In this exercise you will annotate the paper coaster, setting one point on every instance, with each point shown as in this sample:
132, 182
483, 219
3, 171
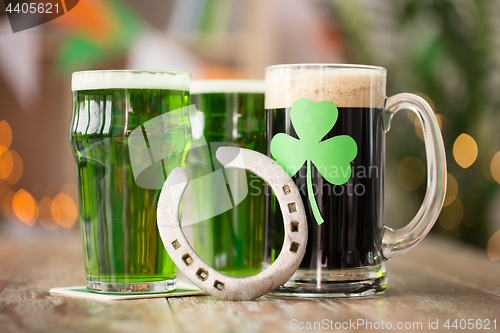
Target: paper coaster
184, 288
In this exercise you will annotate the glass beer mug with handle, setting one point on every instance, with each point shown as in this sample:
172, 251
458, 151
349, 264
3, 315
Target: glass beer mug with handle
326, 126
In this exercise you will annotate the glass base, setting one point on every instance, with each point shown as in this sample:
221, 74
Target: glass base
355, 282
132, 288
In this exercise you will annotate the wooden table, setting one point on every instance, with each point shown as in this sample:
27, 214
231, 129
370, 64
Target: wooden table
437, 281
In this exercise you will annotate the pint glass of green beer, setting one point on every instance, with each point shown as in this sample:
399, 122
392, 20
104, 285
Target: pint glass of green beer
129, 130
227, 204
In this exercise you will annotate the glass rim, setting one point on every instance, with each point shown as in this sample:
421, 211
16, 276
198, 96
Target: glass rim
214, 86
129, 79
133, 71
328, 65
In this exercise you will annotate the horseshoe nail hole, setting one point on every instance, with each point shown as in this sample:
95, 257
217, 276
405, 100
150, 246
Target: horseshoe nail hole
219, 285
294, 226
187, 259
202, 274
292, 207
294, 247
176, 244
286, 189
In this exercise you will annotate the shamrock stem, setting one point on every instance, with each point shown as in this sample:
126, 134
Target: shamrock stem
310, 194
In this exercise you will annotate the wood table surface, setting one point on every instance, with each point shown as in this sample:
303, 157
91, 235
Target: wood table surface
437, 282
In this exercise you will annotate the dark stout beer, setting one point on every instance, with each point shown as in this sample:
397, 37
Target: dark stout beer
353, 219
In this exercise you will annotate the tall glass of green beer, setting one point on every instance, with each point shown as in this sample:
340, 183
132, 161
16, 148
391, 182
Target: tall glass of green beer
129, 130
227, 204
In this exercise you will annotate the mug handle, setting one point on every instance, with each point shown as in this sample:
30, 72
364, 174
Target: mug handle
396, 242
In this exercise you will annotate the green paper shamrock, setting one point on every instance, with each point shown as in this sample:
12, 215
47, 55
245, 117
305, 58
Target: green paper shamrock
331, 157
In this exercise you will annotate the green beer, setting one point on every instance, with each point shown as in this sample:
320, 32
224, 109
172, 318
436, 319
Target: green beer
123, 251
229, 236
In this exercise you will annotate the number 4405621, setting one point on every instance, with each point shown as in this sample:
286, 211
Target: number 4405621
478, 324
32, 8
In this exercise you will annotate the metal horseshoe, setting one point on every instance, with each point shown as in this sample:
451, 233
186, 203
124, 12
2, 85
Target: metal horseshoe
200, 273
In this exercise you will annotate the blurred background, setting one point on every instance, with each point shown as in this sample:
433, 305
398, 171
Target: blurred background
446, 51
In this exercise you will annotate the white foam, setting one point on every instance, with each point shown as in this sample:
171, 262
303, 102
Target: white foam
227, 86
90, 80
353, 86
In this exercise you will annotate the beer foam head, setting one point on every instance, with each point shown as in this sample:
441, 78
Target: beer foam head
93, 80
227, 86
343, 85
